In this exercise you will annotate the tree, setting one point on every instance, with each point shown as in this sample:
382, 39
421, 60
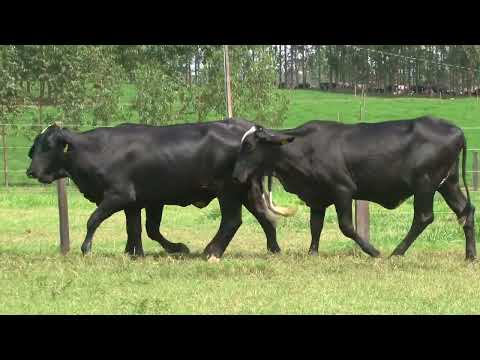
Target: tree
158, 95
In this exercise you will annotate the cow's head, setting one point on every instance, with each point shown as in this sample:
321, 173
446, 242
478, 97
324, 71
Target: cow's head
257, 151
47, 154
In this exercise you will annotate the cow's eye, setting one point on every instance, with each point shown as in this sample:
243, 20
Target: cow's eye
248, 147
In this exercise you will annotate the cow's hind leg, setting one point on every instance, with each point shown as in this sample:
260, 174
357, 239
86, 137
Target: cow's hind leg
455, 199
231, 210
422, 217
134, 232
343, 206
154, 218
317, 217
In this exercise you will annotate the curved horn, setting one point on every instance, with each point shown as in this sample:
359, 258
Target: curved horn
279, 210
248, 132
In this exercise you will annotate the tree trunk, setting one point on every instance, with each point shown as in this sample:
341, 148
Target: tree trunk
197, 58
292, 64
42, 89
188, 72
279, 54
304, 74
319, 66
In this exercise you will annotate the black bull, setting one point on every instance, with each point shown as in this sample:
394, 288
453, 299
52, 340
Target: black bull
327, 163
131, 167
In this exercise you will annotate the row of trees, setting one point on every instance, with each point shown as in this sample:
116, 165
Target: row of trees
379, 66
89, 84
86, 84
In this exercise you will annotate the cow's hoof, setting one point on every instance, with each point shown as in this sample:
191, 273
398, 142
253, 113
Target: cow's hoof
178, 249
213, 259
470, 258
86, 248
212, 250
274, 249
139, 253
375, 254
395, 254
313, 252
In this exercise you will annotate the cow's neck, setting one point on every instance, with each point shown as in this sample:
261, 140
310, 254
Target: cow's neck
285, 163
74, 142
79, 170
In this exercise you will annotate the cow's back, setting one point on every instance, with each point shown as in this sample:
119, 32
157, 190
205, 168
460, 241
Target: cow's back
391, 157
381, 161
176, 164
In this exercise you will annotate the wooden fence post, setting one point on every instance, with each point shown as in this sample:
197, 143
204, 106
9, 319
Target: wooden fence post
63, 216
5, 155
475, 170
362, 214
228, 88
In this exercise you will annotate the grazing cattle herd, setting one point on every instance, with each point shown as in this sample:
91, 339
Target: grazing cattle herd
131, 167
398, 89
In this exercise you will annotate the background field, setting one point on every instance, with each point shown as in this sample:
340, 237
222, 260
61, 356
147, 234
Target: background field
432, 278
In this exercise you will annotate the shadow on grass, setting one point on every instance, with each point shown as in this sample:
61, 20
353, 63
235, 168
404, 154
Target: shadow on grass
418, 259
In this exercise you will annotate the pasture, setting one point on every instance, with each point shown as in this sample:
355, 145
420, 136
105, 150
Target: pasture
432, 278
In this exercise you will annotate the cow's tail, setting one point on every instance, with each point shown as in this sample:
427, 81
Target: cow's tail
468, 207
278, 210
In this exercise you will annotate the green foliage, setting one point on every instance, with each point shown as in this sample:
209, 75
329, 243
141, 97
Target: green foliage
208, 91
10, 90
254, 86
83, 83
107, 77
160, 98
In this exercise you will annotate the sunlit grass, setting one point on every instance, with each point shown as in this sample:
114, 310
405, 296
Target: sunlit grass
432, 278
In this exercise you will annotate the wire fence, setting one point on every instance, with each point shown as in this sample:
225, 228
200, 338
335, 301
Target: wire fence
15, 160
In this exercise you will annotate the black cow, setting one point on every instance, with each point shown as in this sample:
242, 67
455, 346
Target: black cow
326, 163
130, 167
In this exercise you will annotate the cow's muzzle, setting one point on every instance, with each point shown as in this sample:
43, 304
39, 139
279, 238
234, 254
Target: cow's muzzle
239, 179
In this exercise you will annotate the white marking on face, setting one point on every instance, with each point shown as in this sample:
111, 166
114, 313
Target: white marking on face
248, 132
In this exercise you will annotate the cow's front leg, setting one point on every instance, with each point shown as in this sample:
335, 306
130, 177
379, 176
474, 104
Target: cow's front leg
255, 203
107, 208
231, 210
134, 231
317, 217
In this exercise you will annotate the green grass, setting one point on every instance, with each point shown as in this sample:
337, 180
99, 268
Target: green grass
432, 278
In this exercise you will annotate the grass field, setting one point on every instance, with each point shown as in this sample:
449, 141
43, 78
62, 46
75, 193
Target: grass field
432, 278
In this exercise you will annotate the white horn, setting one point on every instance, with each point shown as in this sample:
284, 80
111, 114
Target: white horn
279, 210
248, 132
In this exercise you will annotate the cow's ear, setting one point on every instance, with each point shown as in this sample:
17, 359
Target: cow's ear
275, 139
261, 135
283, 139
63, 138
